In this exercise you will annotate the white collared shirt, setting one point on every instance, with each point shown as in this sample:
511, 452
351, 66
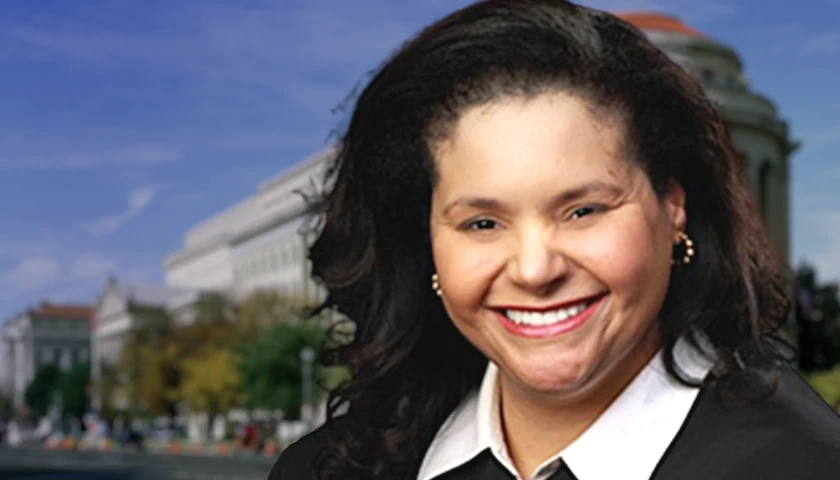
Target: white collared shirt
635, 430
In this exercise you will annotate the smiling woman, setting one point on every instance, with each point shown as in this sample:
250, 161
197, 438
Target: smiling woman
556, 277
543, 236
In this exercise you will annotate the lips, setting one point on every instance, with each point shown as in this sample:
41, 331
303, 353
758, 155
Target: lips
549, 308
541, 322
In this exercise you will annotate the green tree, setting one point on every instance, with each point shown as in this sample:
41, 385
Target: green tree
39, 393
215, 308
109, 386
6, 408
73, 386
208, 378
136, 364
827, 384
265, 308
818, 321
211, 380
271, 367
160, 378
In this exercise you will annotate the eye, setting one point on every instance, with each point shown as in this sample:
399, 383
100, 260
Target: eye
481, 224
586, 210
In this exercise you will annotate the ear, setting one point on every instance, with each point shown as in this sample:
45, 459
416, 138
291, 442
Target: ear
675, 206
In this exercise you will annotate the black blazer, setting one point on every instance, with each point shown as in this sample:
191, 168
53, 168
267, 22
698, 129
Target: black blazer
793, 435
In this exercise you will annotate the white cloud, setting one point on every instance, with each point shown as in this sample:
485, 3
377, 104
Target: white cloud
248, 51
32, 273
35, 157
138, 200
92, 266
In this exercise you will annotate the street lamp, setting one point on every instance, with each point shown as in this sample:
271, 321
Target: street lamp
307, 356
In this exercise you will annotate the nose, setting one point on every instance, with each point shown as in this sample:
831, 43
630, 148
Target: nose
537, 262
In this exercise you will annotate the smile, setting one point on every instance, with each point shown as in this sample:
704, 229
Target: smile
548, 321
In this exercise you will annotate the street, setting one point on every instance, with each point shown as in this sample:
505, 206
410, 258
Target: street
57, 473
33, 463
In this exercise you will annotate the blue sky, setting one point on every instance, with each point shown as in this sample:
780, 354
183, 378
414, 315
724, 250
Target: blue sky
125, 122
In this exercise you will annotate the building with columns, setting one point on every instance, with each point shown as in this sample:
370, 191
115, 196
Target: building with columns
259, 243
50, 334
755, 127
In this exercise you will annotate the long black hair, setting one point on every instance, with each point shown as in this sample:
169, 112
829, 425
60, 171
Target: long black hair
410, 366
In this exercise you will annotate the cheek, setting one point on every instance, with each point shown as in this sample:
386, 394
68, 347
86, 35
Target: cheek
627, 256
466, 272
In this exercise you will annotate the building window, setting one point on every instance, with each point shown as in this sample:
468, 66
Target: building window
66, 359
81, 355
765, 179
47, 356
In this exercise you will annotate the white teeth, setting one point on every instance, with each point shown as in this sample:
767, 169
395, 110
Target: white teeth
544, 318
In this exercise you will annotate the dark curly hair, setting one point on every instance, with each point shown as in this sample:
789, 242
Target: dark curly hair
410, 366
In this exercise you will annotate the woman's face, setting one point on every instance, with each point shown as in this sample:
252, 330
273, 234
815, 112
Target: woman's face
552, 249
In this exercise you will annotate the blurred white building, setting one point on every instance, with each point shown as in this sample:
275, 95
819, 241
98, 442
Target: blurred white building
7, 365
257, 243
50, 334
121, 309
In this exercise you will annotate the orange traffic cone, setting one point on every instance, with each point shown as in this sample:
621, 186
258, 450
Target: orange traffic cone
223, 448
270, 449
174, 447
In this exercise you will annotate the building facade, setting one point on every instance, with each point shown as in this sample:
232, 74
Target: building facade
755, 128
122, 309
50, 334
259, 243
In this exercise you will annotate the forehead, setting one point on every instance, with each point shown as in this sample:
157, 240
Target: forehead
552, 134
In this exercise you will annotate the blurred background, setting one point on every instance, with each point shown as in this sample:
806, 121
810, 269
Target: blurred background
154, 162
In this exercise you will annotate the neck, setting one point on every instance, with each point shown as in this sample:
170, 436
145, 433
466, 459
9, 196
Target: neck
538, 426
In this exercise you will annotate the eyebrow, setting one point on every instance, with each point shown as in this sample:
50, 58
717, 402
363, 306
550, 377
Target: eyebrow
566, 196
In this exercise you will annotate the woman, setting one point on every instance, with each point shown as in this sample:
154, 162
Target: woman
548, 248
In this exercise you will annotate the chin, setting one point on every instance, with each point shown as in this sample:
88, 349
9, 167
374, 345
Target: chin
562, 380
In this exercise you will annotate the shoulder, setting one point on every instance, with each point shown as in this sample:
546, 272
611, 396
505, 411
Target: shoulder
297, 461
792, 434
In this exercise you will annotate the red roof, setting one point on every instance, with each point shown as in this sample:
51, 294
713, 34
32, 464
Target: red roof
62, 311
659, 22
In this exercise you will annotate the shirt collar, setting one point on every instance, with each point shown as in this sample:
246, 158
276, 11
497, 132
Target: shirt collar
472, 428
635, 430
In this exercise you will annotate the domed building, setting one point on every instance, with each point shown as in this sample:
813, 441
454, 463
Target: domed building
755, 127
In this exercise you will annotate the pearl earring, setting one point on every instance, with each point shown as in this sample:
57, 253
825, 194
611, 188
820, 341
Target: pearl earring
688, 248
436, 285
